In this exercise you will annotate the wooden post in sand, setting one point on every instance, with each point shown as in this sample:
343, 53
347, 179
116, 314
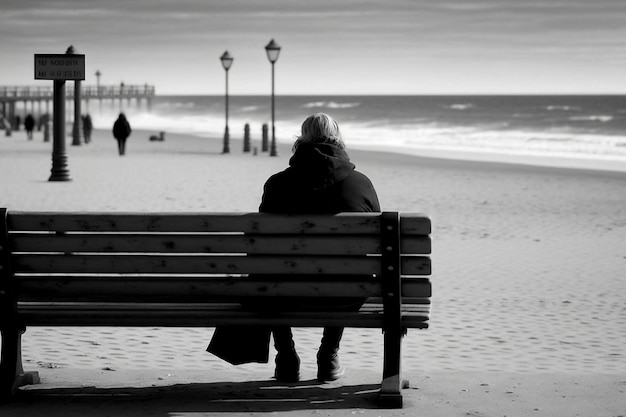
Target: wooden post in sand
46, 130
264, 140
246, 138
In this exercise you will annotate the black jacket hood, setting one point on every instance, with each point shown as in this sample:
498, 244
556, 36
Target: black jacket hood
321, 165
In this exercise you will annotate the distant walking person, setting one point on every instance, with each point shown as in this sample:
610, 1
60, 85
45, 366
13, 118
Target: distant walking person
121, 132
87, 128
29, 125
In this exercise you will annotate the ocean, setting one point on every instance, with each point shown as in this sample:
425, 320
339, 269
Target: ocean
562, 127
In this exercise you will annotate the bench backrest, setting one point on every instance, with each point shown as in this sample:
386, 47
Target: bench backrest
200, 257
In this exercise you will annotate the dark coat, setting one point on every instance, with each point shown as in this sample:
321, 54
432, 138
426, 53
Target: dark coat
320, 180
29, 123
88, 125
121, 128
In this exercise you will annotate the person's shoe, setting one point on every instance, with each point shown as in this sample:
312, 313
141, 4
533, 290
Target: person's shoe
287, 367
329, 368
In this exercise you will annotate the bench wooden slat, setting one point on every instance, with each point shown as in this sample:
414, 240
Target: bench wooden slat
96, 288
200, 316
415, 224
405, 300
137, 264
226, 307
168, 243
184, 320
344, 223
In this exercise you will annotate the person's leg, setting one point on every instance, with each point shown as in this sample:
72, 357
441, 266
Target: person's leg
287, 360
328, 367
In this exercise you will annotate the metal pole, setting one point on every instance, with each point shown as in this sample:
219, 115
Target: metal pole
76, 129
226, 133
121, 95
98, 91
273, 145
59, 171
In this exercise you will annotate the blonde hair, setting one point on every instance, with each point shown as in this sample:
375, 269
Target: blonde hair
320, 128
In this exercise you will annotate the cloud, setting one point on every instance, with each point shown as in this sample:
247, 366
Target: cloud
346, 42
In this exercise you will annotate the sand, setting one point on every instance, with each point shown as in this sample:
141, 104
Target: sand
528, 312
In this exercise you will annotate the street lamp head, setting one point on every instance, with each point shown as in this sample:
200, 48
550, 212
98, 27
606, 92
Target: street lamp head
227, 60
98, 73
272, 49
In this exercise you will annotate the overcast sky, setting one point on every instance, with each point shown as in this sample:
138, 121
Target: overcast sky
328, 46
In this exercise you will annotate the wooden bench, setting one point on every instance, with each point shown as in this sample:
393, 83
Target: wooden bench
190, 270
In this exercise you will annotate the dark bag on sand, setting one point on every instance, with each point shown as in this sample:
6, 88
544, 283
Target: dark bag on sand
241, 344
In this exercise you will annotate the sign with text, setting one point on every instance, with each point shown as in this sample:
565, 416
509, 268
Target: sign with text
59, 67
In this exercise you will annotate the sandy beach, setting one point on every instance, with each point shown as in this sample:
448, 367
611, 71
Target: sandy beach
528, 290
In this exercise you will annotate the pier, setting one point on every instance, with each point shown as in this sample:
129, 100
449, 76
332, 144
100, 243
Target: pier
36, 100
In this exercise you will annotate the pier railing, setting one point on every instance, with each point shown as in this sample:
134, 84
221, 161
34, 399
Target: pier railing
35, 93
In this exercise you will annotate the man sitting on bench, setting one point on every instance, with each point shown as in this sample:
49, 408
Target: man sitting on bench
320, 179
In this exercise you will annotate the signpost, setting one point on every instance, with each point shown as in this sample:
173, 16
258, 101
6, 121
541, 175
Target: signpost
59, 68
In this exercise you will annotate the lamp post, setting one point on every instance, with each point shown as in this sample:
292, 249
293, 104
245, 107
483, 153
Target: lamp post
227, 61
121, 95
273, 50
60, 170
98, 74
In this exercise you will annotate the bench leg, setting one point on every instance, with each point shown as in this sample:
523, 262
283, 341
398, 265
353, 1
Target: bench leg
392, 384
12, 373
